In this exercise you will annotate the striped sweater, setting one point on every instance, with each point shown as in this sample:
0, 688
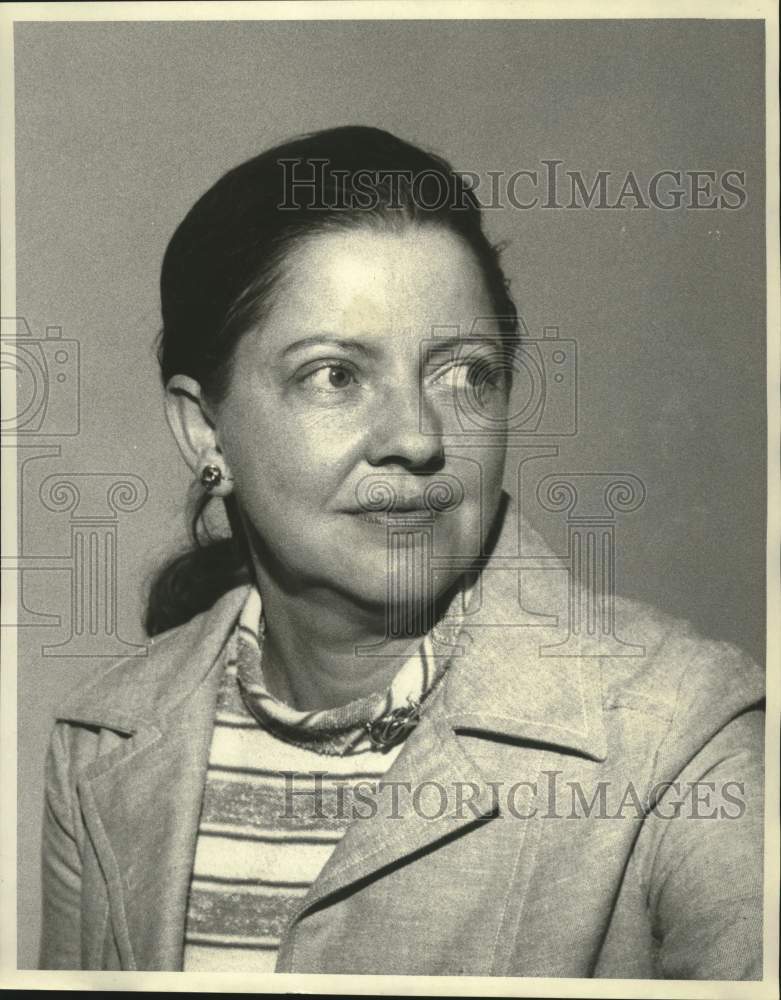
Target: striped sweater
270, 819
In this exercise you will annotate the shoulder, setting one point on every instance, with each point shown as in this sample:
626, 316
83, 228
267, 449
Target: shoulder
690, 690
123, 694
642, 657
669, 665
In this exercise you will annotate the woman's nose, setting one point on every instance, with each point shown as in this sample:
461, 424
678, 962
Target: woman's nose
407, 431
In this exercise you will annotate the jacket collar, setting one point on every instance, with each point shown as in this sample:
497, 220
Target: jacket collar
137, 693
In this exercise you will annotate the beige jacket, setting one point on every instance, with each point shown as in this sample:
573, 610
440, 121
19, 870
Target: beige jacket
533, 868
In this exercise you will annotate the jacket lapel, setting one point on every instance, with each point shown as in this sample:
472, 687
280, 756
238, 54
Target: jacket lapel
145, 837
141, 801
502, 686
432, 762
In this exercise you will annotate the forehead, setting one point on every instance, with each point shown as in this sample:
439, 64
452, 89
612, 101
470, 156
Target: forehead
365, 282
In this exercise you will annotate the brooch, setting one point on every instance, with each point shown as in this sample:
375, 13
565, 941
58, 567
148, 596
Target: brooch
392, 728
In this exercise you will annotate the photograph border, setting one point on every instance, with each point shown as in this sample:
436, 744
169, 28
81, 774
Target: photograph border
10, 976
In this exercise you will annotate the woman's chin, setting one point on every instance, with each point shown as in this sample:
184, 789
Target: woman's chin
399, 596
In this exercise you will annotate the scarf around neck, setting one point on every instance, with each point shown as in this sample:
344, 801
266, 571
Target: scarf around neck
377, 721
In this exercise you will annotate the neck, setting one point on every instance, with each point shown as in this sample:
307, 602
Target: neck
311, 657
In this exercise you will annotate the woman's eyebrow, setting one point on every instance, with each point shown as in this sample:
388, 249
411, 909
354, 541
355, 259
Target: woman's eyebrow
346, 343
455, 343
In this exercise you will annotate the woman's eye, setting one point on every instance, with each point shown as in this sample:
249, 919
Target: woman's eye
331, 377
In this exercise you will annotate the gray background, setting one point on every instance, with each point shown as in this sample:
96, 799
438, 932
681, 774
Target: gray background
119, 127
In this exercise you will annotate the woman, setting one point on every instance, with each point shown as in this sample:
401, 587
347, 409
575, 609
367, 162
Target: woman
347, 750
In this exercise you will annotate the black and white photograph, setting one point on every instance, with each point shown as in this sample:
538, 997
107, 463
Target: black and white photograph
390, 440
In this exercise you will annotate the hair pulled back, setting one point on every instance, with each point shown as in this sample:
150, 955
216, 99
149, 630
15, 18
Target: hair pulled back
221, 269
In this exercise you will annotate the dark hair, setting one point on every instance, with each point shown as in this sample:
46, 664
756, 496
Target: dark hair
220, 271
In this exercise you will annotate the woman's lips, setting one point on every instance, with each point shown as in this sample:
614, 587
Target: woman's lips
385, 501
387, 517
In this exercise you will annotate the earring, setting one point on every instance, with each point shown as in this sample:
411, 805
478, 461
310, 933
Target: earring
215, 480
211, 476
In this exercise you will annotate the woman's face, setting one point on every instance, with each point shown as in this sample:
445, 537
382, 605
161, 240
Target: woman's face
337, 395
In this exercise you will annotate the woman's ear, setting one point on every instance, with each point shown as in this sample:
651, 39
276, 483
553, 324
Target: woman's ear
193, 428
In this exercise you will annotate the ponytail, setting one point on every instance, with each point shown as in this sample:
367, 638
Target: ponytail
193, 580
